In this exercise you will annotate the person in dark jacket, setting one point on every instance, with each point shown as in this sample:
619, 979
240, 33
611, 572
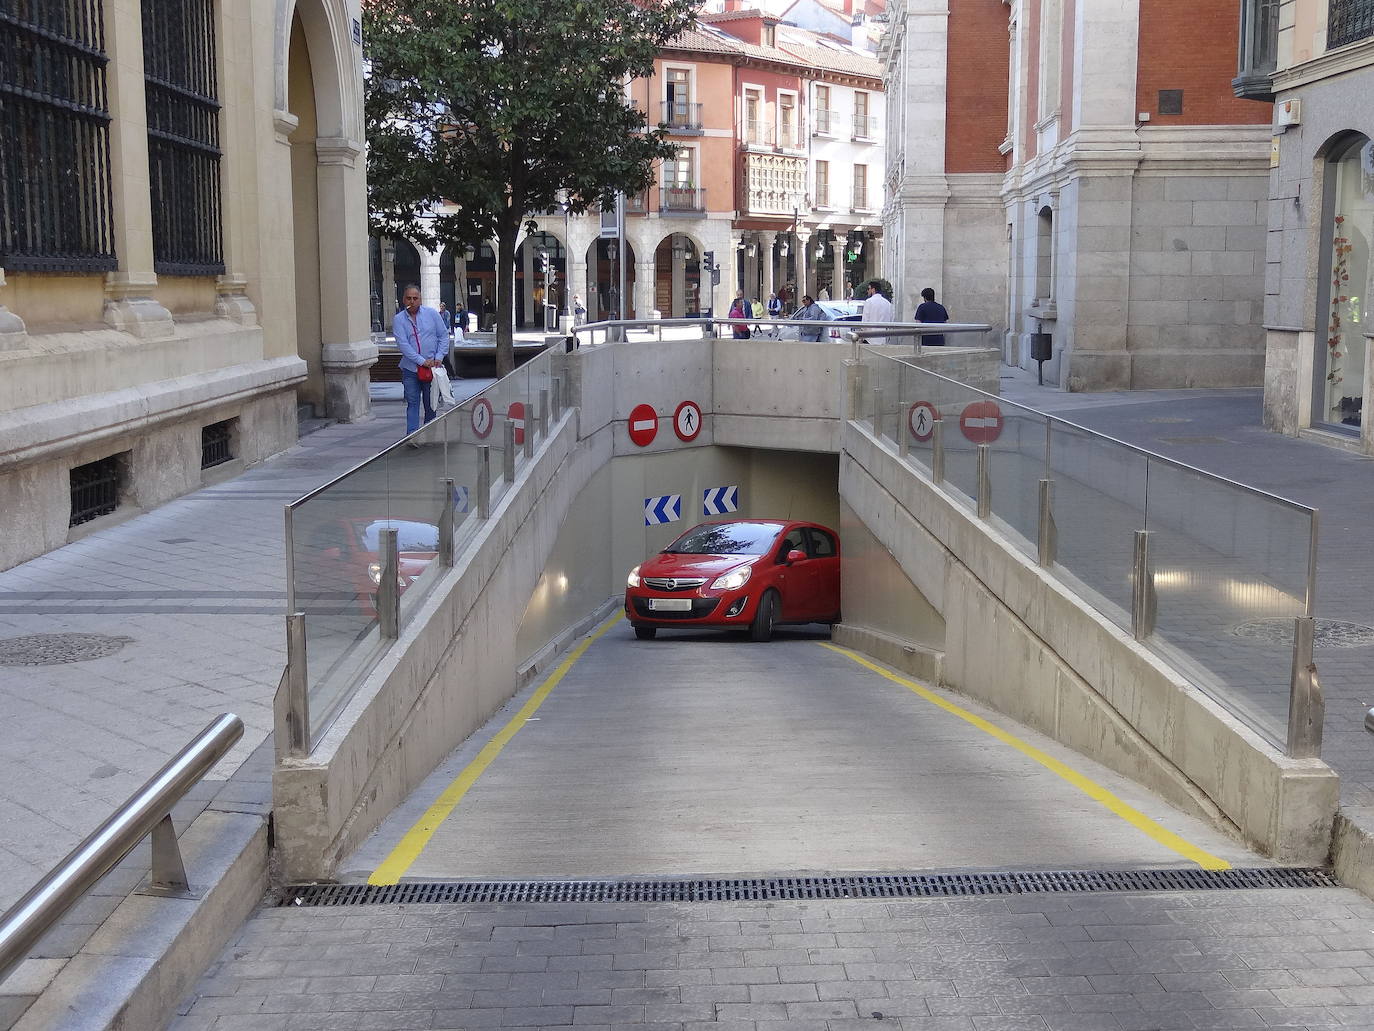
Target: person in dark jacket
931, 310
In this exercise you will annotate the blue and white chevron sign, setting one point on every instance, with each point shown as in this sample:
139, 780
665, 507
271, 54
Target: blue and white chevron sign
461, 499
719, 500
667, 509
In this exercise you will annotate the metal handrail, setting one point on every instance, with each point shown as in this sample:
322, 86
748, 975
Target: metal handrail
148, 811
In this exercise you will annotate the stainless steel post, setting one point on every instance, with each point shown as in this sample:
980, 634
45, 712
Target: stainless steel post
168, 871
483, 482
937, 451
529, 429
388, 596
903, 432
557, 397
984, 481
1306, 706
508, 456
878, 411
446, 520
1047, 537
297, 688
544, 413
858, 381
1143, 599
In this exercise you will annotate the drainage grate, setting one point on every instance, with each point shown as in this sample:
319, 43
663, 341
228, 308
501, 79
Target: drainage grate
763, 889
55, 649
1326, 633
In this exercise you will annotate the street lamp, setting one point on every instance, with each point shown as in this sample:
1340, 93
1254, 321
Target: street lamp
565, 202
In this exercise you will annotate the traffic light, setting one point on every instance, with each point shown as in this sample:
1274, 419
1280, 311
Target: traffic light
708, 259
541, 263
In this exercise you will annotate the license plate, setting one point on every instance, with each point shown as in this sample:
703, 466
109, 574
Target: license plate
670, 604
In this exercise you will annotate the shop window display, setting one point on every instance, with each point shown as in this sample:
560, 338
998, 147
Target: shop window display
1345, 306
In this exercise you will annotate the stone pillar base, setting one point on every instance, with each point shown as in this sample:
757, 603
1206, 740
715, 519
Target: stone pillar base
130, 308
232, 303
14, 335
346, 374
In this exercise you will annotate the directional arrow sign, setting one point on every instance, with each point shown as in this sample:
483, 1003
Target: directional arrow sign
460, 499
667, 509
719, 500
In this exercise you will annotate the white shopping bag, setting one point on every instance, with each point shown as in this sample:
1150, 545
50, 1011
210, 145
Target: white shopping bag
442, 385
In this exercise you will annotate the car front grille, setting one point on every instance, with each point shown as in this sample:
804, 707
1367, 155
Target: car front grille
674, 583
701, 608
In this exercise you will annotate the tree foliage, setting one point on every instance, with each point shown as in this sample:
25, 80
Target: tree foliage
502, 108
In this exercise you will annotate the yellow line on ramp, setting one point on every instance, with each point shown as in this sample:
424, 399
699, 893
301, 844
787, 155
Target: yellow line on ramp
403, 856
1093, 790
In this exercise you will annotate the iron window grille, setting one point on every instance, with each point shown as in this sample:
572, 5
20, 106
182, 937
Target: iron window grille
1348, 21
183, 136
95, 489
216, 444
55, 128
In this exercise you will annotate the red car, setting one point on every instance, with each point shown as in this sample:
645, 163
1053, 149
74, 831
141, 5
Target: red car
344, 554
746, 574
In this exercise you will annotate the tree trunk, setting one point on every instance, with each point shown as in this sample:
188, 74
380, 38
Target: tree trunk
506, 233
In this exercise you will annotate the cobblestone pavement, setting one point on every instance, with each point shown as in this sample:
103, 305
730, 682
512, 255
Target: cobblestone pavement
1141, 962
1221, 432
197, 587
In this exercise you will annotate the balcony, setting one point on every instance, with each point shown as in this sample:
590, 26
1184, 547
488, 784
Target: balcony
822, 198
791, 137
1348, 21
859, 199
826, 121
758, 135
681, 117
1259, 36
865, 128
772, 184
681, 200
636, 203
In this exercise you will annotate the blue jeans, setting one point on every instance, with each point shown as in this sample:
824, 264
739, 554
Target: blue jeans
415, 391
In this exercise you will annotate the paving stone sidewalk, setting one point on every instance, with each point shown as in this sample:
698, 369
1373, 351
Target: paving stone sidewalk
1144, 962
197, 589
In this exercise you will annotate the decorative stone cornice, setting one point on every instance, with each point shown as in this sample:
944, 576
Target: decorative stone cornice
337, 150
1350, 58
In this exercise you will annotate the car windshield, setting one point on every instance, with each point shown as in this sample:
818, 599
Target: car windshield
409, 536
726, 539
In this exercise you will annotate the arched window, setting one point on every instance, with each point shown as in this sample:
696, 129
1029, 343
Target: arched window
1343, 297
1044, 257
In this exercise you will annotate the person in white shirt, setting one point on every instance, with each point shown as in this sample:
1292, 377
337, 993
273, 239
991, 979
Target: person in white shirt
877, 308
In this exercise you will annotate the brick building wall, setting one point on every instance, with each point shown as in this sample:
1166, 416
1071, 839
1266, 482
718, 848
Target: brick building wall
1191, 46
977, 87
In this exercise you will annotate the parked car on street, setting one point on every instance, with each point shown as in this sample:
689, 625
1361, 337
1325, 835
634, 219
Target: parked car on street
744, 574
835, 311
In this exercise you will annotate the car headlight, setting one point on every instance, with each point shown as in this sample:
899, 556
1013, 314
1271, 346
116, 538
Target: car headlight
633, 579
733, 580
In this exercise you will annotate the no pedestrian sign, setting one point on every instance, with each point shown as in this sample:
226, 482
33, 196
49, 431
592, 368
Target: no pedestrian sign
687, 420
643, 425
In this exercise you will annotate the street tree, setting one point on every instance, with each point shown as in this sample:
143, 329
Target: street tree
497, 110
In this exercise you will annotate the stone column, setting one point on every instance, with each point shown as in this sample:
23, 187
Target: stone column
347, 352
837, 246
766, 242
129, 303
679, 279
429, 276
644, 289
804, 265
527, 263
388, 282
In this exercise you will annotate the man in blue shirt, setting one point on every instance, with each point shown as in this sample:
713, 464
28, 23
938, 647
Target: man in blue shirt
931, 310
423, 340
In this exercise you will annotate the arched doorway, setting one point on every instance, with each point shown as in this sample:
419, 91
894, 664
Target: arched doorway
603, 265
677, 277
540, 277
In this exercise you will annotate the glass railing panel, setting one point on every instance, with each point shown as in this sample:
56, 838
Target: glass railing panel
416, 474
1230, 574
1098, 494
961, 437
1016, 465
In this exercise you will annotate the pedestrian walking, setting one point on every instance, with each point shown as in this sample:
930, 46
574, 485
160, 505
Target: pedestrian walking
775, 310
739, 308
423, 342
757, 310
877, 306
810, 310
931, 310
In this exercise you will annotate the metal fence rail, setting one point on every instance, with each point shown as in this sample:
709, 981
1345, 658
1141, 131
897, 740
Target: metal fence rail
148, 811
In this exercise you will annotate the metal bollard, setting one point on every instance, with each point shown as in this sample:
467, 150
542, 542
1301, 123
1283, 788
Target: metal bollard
508, 456
388, 593
878, 411
446, 520
544, 413
297, 688
557, 397
903, 432
1047, 537
937, 451
984, 481
1306, 706
1143, 599
528, 446
483, 482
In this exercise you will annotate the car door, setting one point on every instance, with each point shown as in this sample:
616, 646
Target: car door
825, 559
793, 582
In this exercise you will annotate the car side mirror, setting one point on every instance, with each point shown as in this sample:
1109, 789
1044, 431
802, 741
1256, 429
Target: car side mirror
795, 555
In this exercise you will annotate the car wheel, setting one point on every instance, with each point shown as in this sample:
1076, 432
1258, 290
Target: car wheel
762, 628
646, 633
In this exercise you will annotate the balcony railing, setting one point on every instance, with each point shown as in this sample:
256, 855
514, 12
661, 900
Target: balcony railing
758, 133
681, 116
865, 127
636, 203
791, 137
1348, 21
1258, 56
673, 199
822, 195
826, 121
859, 199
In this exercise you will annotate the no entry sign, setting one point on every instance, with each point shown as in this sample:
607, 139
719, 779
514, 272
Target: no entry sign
981, 421
687, 420
921, 418
483, 418
516, 414
643, 425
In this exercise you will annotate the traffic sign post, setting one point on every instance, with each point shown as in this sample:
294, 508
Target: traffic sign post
921, 418
642, 425
687, 420
981, 421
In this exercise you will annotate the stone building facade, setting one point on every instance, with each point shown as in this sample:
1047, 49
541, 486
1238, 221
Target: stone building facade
182, 248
